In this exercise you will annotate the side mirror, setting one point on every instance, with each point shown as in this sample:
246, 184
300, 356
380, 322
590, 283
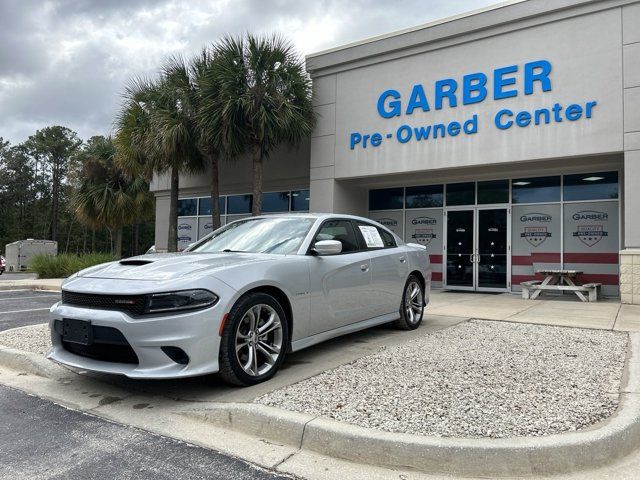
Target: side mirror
327, 247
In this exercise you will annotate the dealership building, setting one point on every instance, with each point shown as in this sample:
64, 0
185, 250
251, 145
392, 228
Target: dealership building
506, 141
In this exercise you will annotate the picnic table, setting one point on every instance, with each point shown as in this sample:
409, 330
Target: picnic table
560, 280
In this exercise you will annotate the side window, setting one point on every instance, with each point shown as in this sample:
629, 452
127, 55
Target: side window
374, 237
387, 239
341, 230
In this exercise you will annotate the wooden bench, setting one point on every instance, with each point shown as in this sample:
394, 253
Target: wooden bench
592, 289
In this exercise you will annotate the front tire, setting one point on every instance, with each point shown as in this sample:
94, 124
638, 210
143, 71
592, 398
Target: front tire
412, 306
254, 340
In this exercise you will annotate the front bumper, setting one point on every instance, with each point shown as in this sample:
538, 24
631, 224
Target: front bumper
195, 332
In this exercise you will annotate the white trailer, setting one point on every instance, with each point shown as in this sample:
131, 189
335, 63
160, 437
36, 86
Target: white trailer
19, 254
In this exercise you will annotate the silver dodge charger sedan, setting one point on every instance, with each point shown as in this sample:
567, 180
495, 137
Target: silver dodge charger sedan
239, 299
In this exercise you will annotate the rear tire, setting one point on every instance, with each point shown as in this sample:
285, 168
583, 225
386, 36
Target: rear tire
412, 306
254, 340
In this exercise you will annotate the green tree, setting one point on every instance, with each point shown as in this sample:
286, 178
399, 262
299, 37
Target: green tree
54, 148
107, 197
156, 133
263, 99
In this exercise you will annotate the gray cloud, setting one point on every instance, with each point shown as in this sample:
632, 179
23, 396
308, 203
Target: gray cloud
66, 61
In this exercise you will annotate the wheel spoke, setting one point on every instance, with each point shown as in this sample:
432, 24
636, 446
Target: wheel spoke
255, 359
270, 357
272, 348
267, 325
250, 358
240, 346
414, 292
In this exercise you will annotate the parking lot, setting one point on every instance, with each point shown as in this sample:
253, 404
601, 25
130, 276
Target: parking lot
19, 308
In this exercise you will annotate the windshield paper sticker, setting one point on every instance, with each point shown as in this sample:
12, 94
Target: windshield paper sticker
371, 236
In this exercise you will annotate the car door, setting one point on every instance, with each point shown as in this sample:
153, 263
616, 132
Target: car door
339, 284
389, 268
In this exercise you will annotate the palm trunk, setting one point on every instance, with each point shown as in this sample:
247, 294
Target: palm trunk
257, 180
215, 192
118, 246
136, 238
172, 242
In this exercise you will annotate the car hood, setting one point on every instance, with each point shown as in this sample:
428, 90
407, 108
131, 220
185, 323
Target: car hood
170, 266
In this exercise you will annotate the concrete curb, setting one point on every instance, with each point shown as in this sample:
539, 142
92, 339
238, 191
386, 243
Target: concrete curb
53, 285
27, 362
602, 444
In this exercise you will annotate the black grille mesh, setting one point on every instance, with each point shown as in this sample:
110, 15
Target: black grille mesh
133, 304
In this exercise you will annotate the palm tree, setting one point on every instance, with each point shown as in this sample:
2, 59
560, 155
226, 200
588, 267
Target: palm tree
106, 196
156, 131
263, 99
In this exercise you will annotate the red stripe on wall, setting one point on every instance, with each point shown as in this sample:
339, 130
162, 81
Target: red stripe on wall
603, 278
435, 258
535, 258
611, 258
436, 276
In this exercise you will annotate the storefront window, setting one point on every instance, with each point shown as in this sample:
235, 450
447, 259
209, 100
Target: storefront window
591, 186
275, 202
493, 191
386, 199
187, 207
239, 204
300, 201
461, 193
204, 207
535, 190
424, 196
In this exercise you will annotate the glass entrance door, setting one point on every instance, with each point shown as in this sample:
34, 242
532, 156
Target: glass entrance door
460, 248
491, 256
477, 249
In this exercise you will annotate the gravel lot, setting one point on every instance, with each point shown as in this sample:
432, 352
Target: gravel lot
35, 338
476, 379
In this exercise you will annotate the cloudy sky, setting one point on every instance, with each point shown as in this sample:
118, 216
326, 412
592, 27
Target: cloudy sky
65, 61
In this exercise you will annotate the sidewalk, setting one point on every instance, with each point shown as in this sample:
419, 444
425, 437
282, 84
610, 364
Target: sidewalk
565, 311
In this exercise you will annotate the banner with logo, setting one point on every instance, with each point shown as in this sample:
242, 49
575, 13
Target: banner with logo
392, 219
205, 226
535, 240
592, 242
424, 226
187, 231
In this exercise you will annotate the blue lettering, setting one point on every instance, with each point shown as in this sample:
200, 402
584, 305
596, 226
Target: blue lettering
588, 108
543, 68
438, 127
523, 119
394, 107
376, 140
418, 99
453, 129
471, 125
474, 83
356, 138
404, 133
498, 119
499, 82
422, 133
451, 86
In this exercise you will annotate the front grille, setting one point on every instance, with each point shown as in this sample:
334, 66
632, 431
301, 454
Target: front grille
109, 345
133, 304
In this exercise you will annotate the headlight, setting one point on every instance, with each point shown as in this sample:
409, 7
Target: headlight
183, 300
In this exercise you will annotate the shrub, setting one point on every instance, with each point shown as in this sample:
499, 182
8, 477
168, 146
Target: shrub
63, 265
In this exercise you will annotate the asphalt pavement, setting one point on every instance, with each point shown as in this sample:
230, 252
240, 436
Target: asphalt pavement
42, 440
19, 308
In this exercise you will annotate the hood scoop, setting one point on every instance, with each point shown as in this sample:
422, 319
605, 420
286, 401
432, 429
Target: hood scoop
135, 262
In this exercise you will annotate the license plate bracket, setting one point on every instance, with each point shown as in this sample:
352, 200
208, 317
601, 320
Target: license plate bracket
77, 331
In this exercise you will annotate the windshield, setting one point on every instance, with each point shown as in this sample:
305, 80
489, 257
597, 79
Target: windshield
259, 235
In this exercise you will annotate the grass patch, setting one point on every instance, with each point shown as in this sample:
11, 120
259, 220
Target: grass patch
63, 265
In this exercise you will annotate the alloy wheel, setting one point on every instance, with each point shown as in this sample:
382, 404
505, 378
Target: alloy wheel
259, 340
413, 302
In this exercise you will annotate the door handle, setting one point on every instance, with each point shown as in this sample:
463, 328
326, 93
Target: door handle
471, 258
402, 259
364, 268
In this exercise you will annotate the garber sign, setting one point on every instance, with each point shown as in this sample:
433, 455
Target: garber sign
470, 89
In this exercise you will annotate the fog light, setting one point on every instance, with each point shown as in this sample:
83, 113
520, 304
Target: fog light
176, 354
